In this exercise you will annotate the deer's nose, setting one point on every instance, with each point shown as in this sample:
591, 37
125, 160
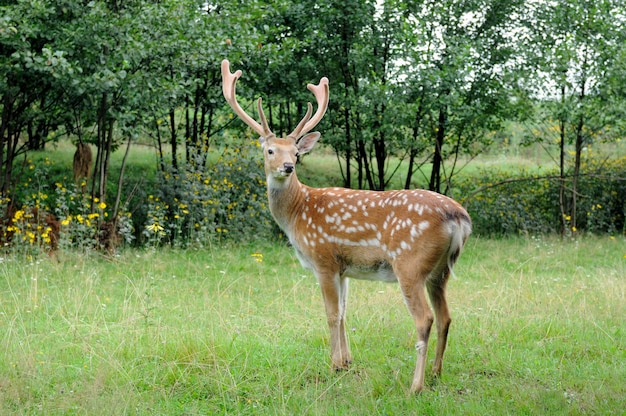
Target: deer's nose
288, 167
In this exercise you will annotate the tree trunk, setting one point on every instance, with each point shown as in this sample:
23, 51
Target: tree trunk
562, 166
577, 158
173, 140
348, 152
435, 176
413, 151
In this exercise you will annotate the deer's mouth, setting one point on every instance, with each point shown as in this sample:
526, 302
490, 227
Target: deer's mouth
286, 170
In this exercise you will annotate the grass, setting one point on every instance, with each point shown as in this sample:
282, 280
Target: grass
538, 328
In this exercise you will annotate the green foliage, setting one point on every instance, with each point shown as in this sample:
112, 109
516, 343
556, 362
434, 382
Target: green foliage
39, 206
524, 205
603, 196
501, 202
224, 200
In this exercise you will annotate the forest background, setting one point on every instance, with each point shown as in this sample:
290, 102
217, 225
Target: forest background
420, 91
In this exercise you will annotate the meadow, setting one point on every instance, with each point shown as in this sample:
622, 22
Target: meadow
538, 328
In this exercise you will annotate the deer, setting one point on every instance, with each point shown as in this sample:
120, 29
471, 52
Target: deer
412, 237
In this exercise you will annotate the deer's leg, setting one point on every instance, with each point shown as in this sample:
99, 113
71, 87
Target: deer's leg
343, 308
334, 291
415, 298
437, 293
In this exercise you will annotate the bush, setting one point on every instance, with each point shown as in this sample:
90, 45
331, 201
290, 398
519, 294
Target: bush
54, 215
529, 204
225, 200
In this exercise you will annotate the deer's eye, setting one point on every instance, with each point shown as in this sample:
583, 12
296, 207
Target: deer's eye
270, 151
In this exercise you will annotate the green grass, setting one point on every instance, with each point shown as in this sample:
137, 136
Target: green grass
538, 328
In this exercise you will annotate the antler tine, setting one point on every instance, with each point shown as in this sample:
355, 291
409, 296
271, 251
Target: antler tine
321, 95
229, 82
266, 127
298, 131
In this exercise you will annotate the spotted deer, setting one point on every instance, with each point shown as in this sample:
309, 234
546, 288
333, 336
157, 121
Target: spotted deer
412, 237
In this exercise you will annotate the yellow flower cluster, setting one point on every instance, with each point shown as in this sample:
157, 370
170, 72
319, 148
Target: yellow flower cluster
27, 228
79, 216
224, 198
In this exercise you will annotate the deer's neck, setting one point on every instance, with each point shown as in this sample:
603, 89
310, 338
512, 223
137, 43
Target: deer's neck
285, 199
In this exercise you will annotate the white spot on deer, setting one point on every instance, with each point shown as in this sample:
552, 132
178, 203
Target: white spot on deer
404, 245
360, 228
321, 240
330, 219
304, 216
418, 208
306, 240
346, 216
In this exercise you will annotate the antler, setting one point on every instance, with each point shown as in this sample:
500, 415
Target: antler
308, 123
229, 82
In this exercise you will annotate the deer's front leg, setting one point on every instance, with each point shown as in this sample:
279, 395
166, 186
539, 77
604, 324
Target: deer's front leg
335, 293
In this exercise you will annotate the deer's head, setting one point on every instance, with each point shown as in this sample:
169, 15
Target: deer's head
280, 154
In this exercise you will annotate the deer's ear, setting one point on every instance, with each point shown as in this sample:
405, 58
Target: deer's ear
261, 140
306, 143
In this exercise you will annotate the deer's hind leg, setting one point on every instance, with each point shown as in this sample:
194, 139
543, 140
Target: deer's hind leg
437, 292
412, 281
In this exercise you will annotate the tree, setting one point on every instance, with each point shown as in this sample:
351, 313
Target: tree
574, 47
457, 71
324, 43
31, 74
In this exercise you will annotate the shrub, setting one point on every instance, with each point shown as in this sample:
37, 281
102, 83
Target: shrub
224, 200
37, 208
529, 203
